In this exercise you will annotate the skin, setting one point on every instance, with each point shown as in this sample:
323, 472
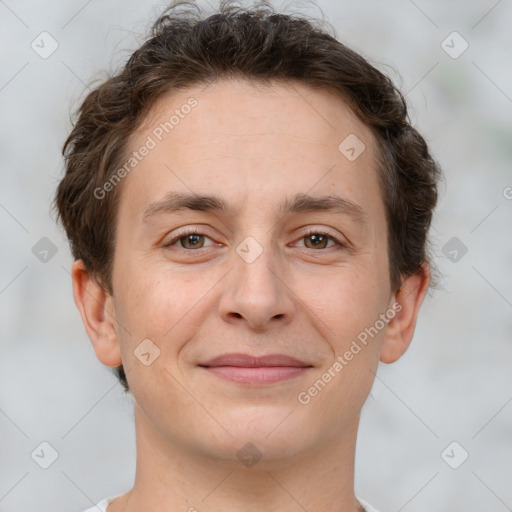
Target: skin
255, 146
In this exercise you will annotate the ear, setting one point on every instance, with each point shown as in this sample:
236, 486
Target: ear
406, 303
97, 312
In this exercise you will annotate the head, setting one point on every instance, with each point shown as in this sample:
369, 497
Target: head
247, 183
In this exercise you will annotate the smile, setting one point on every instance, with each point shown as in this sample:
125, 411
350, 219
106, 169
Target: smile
247, 369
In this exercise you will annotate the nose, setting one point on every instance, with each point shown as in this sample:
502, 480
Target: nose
256, 293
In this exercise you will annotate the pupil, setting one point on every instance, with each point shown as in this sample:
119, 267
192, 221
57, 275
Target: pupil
193, 239
317, 239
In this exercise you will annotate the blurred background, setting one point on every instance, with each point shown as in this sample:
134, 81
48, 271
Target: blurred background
436, 429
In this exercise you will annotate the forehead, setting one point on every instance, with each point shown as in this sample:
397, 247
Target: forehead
310, 114
252, 142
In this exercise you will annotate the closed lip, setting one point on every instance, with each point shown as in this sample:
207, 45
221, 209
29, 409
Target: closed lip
248, 361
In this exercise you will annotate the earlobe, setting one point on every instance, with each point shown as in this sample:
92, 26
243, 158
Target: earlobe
95, 306
406, 304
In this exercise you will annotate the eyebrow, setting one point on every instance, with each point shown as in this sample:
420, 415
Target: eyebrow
299, 203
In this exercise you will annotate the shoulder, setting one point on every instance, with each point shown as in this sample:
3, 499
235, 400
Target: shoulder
367, 506
101, 506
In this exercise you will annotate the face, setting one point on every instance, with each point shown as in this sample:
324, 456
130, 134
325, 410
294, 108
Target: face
226, 245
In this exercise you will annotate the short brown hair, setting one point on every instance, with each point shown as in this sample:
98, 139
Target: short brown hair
186, 48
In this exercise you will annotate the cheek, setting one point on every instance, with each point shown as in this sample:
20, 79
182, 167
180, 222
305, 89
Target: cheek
163, 305
151, 307
348, 308
346, 301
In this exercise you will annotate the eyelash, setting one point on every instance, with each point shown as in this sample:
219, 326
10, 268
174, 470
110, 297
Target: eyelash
310, 232
313, 231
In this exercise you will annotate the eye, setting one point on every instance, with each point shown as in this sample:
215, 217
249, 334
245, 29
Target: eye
190, 239
193, 239
319, 239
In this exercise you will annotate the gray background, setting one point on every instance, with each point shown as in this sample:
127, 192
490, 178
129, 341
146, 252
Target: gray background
453, 384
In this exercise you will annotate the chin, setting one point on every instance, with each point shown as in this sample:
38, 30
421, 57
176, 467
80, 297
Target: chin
259, 437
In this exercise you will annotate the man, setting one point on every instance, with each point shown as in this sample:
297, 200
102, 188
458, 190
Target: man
248, 208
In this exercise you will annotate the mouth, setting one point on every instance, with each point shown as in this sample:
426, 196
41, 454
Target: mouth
247, 369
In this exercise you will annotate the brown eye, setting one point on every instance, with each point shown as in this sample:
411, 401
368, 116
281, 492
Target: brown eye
318, 241
189, 240
192, 241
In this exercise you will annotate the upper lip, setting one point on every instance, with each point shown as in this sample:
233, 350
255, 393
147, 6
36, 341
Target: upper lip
248, 361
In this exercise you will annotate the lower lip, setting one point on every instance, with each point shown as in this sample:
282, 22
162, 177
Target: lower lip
258, 375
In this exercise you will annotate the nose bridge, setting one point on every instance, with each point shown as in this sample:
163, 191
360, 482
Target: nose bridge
256, 262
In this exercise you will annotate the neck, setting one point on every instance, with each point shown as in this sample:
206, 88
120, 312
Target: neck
169, 478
